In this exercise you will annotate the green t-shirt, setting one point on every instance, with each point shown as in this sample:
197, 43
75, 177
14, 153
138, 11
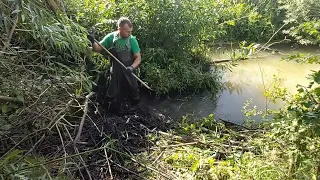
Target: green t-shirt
107, 42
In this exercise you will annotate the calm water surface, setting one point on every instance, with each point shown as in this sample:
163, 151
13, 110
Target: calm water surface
248, 80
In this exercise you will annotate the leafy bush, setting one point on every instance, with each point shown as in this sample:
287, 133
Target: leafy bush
244, 21
303, 21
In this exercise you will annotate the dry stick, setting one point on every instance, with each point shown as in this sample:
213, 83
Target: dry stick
264, 86
36, 100
278, 42
33, 147
81, 159
50, 126
162, 152
178, 145
64, 119
96, 108
95, 125
85, 111
6, 44
105, 153
127, 169
263, 47
9, 99
86, 152
78, 168
58, 120
234, 124
199, 142
59, 159
100, 132
36, 144
7, 53
69, 135
77, 151
221, 61
217, 61
150, 168
48, 174
96, 163
7, 137
21, 142
63, 146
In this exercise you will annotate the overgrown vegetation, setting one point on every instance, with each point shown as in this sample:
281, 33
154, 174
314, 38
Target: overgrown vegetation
284, 147
169, 35
47, 72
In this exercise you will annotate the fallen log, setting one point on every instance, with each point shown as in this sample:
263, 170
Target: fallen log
227, 60
9, 99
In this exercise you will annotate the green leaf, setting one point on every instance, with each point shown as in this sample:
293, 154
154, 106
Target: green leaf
311, 84
20, 97
316, 77
5, 108
300, 90
64, 66
195, 166
78, 92
307, 104
232, 23
317, 91
14, 154
211, 162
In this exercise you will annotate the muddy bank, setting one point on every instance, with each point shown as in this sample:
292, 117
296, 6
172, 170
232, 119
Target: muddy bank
122, 133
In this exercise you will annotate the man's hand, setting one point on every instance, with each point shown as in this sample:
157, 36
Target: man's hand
130, 69
94, 45
91, 38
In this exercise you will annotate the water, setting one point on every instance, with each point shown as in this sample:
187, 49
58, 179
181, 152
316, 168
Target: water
248, 80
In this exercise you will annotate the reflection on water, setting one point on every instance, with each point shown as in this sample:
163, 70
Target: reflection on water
248, 80
233, 87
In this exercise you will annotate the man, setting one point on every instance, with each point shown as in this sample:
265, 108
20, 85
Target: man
125, 47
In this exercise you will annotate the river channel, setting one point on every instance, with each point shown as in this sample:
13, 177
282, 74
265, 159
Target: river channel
247, 80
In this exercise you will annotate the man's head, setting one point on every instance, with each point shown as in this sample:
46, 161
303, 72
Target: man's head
124, 27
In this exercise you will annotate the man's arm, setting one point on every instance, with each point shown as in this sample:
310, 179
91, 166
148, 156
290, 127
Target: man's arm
136, 60
136, 52
106, 42
96, 47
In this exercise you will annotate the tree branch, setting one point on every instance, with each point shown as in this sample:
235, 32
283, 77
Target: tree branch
9, 99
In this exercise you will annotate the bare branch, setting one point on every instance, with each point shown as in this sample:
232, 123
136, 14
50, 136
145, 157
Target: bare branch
85, 112
105, 152
9, 99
